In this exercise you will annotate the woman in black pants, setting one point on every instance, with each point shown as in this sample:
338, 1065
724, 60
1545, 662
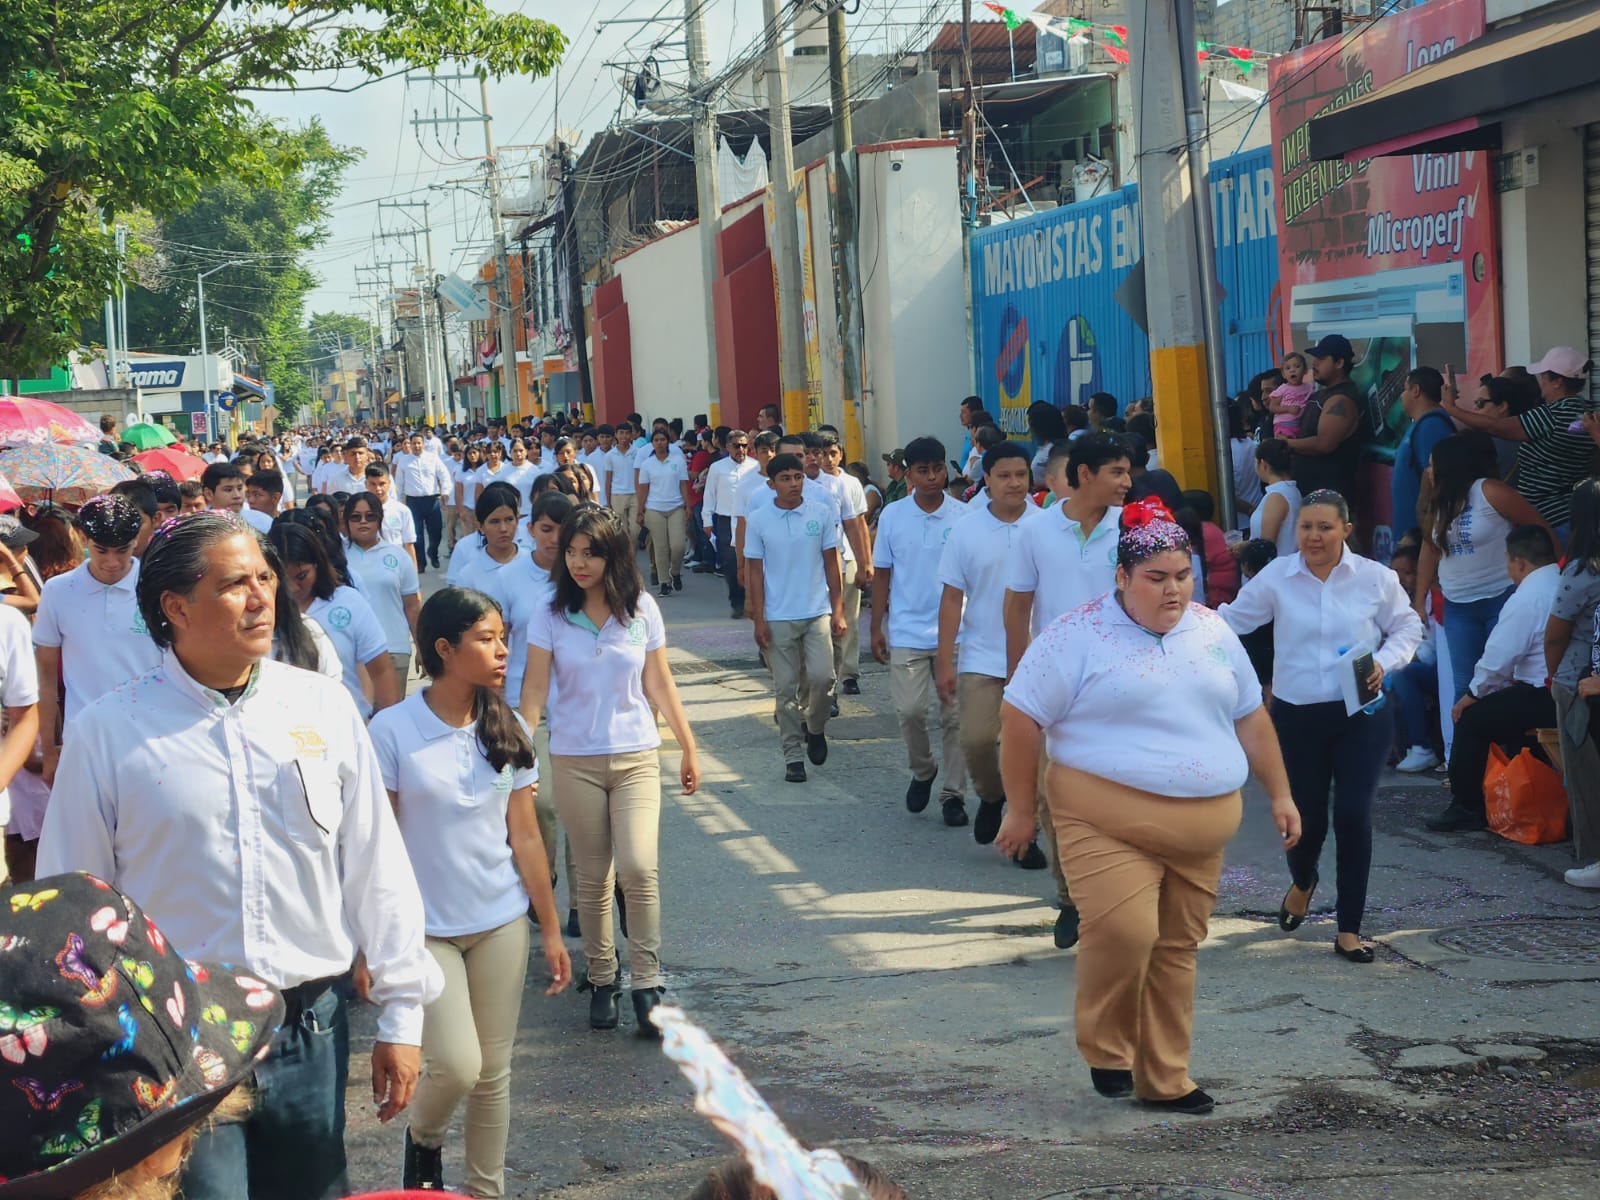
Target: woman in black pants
1326, 599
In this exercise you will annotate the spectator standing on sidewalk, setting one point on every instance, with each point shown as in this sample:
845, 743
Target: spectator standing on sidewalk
1328, 449
1430, 424
1567, 650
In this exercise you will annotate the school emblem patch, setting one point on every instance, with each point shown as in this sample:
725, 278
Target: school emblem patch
339, 617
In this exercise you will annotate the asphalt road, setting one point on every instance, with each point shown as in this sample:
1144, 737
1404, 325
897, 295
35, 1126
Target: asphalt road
893, 990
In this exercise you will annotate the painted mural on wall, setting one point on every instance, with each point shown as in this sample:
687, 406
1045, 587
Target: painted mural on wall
1396, 253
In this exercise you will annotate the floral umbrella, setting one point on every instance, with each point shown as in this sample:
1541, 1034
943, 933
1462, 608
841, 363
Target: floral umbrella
65, 474
145, 436
174, 460
28, 421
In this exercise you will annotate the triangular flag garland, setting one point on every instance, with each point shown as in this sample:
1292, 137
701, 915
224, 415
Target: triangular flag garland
1113, 39
1010, 16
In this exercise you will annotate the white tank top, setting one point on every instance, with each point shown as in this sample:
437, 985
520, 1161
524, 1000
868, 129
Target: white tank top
1290, 491
1475, 568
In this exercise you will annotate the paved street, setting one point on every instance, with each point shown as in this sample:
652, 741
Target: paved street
893, 990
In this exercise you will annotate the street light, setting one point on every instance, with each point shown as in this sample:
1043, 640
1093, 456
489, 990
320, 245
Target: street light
205, 354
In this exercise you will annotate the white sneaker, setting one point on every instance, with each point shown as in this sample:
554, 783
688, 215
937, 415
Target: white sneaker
1418, 758
1585, 877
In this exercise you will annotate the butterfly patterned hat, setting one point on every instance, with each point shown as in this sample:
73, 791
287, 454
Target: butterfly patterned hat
111, 1045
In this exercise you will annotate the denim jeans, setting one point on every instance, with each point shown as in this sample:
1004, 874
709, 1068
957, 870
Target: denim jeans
1409, 688
1467, 628
292, 1145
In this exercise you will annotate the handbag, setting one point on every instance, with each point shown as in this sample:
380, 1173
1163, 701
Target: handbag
1524, 799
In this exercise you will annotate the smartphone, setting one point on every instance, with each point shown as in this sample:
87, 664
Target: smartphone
1365, 692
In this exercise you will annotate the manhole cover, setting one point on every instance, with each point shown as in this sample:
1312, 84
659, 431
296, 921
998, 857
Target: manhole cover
1548, 942
703, 667
1150, 1191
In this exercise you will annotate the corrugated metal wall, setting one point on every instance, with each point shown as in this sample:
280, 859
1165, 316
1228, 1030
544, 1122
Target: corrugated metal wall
1245, 228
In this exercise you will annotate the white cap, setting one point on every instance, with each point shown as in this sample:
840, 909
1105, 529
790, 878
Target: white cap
1563, 361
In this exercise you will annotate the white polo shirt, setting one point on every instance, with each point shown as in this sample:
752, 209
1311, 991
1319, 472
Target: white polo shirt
789, 544
19, 677
911, 542
452, 813
259, 521
356, 633
977, 560
1150, 712
663, 477
621, 465
100, 632
599, 674
522, 479
387, 577
599, 464
1059, 567
748, 490
851, 499
535, 592
399, 527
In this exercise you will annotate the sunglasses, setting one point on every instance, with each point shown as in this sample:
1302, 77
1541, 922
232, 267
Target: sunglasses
361, 518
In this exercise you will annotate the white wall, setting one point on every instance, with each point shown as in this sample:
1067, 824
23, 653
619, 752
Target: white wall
664, 289
912, 295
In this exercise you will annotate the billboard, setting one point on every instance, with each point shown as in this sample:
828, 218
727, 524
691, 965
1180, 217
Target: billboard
1398, 253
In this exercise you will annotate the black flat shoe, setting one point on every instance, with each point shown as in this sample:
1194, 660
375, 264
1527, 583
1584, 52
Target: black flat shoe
1288, 921
423, 1168
1456, 819
918, 795
602, 1003
794, 772
955, 811
1066, 930
986, 825
1361, 954
1111, 1083
1196, 1104
851, 687
816, 748
644, 1000
1032, 859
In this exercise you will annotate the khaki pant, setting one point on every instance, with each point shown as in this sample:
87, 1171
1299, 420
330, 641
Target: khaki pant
468, 1034
1144, 873
1047, 831
978, 698
544, 808
911, 691
402, 668
1580, 767
611, 806
801, 679
666, 545
625, 508
847, 649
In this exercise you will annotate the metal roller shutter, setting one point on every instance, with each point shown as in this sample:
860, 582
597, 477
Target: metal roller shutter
1591, 196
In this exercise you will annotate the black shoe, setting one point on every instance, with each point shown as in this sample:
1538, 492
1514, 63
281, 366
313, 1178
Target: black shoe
1288, 921
816, 747
1066, 931
736, 613
422, 568
833, 709
794, 772
655, 580
1361, 954
645, 999
986, 825
704, 569
666, 591
1456, 819
677, 583
622, 907
918, 794
851, 686
1032, 859
1196, 1104
424, 1167
955, 811
602, 1003
435, 563
1112, 1083
573, 928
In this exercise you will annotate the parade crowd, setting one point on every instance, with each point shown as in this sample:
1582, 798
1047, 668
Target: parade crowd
228, 705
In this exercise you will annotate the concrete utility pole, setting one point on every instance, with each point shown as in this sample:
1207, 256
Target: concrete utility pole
968, 152
510, 396
205, 350
1175, 215
705, 174
566, 242
786, 238
437, 383
844, 167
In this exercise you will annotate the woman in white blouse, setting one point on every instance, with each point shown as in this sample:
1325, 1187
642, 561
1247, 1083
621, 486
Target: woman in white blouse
460, 769
602, 645
1323, 601
1140, 831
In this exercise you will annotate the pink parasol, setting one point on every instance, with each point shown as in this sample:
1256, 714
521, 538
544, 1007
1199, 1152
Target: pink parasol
29, 421
174, 460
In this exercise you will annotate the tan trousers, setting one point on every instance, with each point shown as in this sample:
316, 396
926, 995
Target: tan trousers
626, 508
801, 679
911, 691
666, 545
468, 1034
1047, 832
1144, 874
611, 806
544, 808
978, 697
847, 649
1580, 767
402, 668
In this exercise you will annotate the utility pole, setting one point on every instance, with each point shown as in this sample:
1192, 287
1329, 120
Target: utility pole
435, 389
205, 354
786, 238
844, 166
567, 243
705, 174
969, 120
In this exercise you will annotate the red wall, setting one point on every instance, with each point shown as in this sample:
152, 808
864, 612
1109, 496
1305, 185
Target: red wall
612, 358
747, 322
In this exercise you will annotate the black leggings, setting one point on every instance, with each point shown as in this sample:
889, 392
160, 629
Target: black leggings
1323, 748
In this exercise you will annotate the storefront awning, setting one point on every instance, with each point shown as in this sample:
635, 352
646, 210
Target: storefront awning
1458, 101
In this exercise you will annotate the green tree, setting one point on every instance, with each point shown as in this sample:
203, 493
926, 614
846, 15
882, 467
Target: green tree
112, 106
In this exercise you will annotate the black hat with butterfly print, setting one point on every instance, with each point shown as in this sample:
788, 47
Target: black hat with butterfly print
111, 1044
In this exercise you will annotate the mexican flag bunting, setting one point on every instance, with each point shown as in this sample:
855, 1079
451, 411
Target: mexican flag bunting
1009, 16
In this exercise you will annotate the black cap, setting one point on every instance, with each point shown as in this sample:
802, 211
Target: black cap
1333, 345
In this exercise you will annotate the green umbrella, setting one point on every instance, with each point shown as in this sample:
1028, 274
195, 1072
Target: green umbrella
146, 436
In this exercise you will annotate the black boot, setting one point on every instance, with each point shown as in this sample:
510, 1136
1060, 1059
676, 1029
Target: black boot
645, 999
424, 1167
602, 1003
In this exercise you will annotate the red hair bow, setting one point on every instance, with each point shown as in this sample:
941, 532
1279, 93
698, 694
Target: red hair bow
1145, 512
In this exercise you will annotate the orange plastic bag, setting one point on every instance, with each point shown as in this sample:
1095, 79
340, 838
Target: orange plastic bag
1524, 798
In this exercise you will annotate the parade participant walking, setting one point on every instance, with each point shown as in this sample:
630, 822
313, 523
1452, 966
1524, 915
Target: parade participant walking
973, 572
602, 647
424, 482
522, 471
1142, 833
88, 630
388, 578
720, 507
905, 624
460, 771
500, 501
321, 875
468, 483
621, 494
1324, 601
399, 527
343, 614
791, 551
855, 551
663, 498
352, 477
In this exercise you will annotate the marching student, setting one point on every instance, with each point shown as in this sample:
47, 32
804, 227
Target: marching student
663, 498
224, 486
905, 623
263, 497
855, 548
387, 576
399, 527
722, 487
621, 493
973, 570
459, 767
1062, 562
351, 477
469, 479
792, 571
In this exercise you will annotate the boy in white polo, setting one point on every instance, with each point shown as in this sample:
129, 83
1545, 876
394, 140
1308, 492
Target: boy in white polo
792, 572
855, 549
905, 622
973, 571
399, 526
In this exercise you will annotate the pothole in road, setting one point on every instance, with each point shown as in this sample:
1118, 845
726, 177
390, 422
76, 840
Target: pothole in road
1546, 941
1151, 1191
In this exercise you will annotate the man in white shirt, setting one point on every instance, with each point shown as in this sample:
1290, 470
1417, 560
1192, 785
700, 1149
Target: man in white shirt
351, 477
424, 481
855, 547
791, 550
1508, 695
399, 526
722, 485
905, 623
973, 571
240, 799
